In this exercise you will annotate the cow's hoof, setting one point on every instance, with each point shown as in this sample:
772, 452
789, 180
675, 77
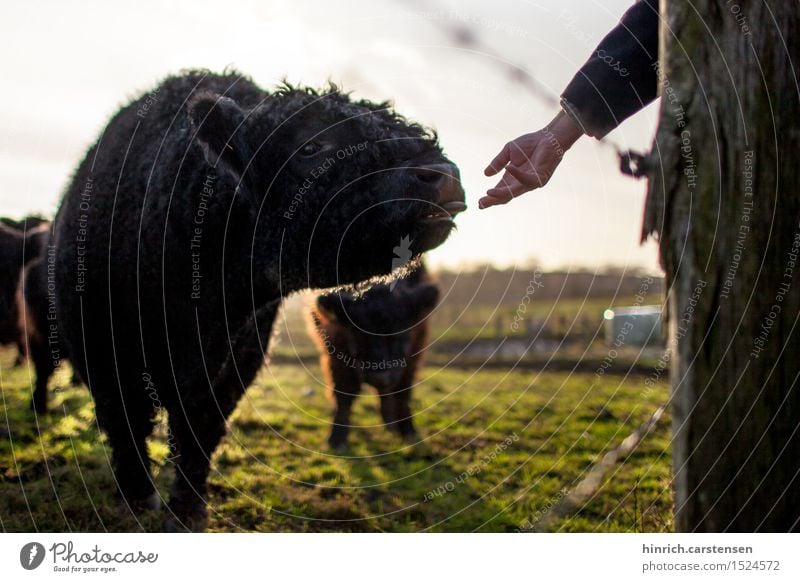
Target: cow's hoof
185, 522
410, 437
137, 506
39, 407
338, 444
419, 449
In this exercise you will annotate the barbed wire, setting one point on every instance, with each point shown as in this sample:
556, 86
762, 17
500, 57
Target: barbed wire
589, 485
465, 36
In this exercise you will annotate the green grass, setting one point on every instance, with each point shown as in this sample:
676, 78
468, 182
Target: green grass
273, 471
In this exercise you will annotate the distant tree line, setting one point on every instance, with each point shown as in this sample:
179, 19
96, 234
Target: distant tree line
489, 285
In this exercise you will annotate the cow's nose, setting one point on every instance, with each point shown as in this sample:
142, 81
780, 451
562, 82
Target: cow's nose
435, 173
447, 181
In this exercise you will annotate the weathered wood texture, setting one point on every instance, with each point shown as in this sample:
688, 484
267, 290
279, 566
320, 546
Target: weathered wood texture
724, 200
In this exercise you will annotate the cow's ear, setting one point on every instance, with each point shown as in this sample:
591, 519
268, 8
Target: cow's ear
332, 306
218, 124
325, 306
426, 297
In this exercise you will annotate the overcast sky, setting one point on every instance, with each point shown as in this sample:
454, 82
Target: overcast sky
69, 65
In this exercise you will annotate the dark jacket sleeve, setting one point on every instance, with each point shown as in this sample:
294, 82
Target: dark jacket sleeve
619, 78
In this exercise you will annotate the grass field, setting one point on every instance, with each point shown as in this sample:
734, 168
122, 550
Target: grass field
274, 473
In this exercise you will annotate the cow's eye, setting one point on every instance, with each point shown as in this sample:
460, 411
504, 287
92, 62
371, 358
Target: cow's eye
312, 148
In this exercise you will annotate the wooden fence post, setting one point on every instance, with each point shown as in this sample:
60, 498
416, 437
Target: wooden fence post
724, 199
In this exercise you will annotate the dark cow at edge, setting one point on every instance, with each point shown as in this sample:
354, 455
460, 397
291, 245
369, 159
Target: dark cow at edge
40, 340
21, 241
203, 203
378, 339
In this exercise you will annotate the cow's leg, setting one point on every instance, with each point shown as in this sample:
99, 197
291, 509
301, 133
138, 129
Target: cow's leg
405, 423
344, 395
196, 436
198, 420
128, 422
388, 405
43, 363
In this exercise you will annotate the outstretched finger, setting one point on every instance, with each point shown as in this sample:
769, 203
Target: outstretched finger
488, 201
499, 161
502, 194
496, 197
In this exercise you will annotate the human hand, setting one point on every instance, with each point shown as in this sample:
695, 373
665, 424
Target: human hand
530, 160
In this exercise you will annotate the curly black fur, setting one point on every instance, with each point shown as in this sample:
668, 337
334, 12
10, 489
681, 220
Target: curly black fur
203, 203
377, 339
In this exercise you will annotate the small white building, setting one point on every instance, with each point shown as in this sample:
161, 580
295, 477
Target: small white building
639, 325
